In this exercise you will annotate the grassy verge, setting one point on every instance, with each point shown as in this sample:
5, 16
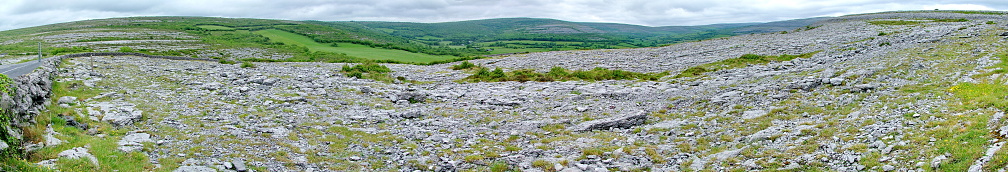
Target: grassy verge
555, 74
105, 149
743, 61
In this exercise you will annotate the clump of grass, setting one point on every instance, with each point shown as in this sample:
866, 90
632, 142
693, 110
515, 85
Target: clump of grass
543, 164
371, 71
224, 61
980, 95
474, 158
500, 166
742, 61
247, 65
465, 65
559, 74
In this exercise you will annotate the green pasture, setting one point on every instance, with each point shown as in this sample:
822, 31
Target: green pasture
355, 50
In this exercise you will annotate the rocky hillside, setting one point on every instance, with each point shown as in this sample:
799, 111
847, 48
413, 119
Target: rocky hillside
921, 91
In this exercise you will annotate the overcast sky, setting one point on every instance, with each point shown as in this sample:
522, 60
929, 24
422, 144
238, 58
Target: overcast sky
27, 13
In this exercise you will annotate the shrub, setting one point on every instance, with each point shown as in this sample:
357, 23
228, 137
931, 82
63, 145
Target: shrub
559, 74
464, 65
371, 71
247, 65
125, 49
222, 61
367, 68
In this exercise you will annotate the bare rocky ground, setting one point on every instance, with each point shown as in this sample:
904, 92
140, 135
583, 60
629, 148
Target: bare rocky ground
865, 101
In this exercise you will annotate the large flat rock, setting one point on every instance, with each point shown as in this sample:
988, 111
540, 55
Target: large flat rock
621, 121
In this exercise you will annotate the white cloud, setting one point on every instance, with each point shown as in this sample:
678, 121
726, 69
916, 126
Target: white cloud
25, 13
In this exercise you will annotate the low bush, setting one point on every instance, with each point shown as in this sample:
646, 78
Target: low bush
464, 65
247, 65
558, 74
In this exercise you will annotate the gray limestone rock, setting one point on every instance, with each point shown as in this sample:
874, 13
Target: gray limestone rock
622, 121
806, 84
3, 145
750, 114
239, 165
937, 161
78, 152
68, 100
119, 114
411, 114
195, 169
412, 96
888, 167
864, 87
50, 137
134, 142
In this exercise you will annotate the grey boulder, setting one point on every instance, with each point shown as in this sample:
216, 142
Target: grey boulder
622, 121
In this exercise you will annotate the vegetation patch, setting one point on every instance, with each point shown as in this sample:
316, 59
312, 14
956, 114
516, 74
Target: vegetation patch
371, 71
216, 28
350, 49
558, 74
895, 22
743, 61
464, 65
981, 95
913, 22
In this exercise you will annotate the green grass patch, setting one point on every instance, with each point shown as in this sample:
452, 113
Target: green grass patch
981, 95
740, 62
558, 74
355, 50
216, 28
371, 71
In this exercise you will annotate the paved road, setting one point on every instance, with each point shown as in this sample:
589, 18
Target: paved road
15, 70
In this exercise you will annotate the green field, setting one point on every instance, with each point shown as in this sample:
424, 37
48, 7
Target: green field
216, 28
355, 50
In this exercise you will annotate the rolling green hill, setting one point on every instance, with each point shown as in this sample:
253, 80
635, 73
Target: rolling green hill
353, 41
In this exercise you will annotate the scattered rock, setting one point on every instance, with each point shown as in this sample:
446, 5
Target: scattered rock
888, 167
134, 142
195, 169
211, 86
624, 121
68, 100
937, 161
119, 114
836, 81
864, 87
78, 152
50, 137
413, 114
750, 114
806, 84
412, 96
239, 165
72, 122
